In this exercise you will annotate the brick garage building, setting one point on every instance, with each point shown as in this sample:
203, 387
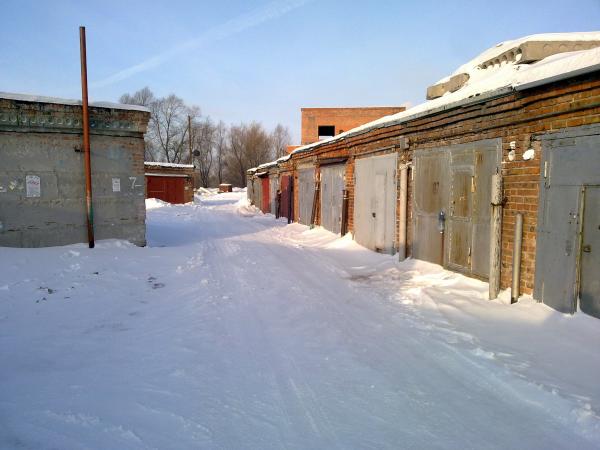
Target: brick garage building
535, 123
319, 123
42, 188
173, 183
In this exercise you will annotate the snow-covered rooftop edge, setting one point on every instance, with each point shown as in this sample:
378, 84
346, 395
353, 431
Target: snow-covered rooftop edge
270, 163
485, 84
66, 101
164, 164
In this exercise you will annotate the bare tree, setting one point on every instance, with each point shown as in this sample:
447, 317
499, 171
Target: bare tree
280, 139
204, 140
169, 127
221, 135
222, 153
143, 97
166, 139
236, 163
249, 146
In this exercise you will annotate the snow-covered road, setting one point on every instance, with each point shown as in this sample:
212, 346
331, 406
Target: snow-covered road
236, 331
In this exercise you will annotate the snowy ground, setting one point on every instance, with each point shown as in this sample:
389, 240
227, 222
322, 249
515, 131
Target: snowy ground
236, 331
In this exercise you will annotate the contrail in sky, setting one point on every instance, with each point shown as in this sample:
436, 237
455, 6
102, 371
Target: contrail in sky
231, 27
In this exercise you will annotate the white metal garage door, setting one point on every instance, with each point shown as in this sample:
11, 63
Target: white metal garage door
375, 202
306, 193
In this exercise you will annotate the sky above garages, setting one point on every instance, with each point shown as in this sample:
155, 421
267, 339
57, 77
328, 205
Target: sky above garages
258, 60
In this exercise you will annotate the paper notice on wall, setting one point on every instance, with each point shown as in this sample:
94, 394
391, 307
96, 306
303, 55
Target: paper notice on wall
116, 184
33, 185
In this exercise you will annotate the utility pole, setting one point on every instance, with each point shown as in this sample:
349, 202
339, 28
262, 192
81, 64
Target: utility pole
86, 139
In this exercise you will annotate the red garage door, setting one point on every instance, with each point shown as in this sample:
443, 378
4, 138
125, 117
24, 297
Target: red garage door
266, 200
168, 189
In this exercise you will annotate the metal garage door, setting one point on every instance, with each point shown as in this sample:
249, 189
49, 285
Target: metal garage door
287, 197
257, 192
431, 185
168, 189
273, 188
306, 193
375, 202
332, 187
589, 291
265, 204
568, 221
456, 181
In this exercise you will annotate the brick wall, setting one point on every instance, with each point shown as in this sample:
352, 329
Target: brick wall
343, 119
518, 116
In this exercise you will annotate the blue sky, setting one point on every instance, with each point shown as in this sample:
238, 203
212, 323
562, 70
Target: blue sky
260, 60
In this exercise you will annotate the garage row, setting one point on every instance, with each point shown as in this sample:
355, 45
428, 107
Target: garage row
499, 182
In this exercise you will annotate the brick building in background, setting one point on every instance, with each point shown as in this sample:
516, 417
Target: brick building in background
322, 123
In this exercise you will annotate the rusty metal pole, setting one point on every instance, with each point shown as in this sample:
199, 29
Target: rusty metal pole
86, 139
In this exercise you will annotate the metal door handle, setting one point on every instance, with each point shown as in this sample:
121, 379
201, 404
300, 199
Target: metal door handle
587, 249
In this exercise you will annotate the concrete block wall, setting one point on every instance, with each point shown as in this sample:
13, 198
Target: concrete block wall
44, 141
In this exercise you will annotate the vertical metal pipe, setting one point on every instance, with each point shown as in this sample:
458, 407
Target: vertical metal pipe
315, 205
86, 138
278, 204
516, 273
344, 227
403, 213
495, 236
291, 199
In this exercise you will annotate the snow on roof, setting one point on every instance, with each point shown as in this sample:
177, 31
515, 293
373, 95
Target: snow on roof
172, 165
472, 66
493, 81
65, 101
267, 165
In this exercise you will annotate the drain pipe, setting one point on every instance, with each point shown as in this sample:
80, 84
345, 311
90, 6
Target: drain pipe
344, 227
516, 273
315, 205
291, 200
86, 139
403, 213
